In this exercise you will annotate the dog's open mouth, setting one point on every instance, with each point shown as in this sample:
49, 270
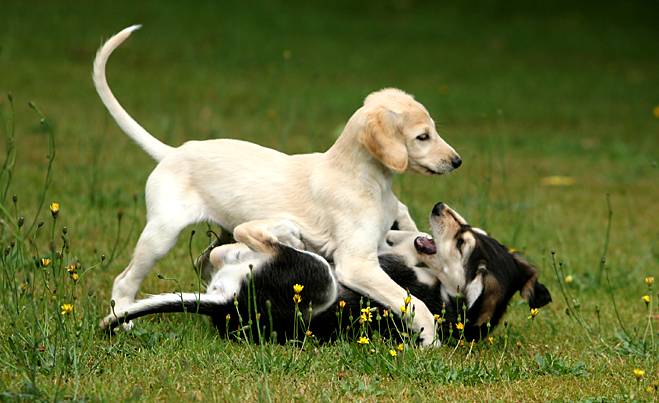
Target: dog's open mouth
425, 245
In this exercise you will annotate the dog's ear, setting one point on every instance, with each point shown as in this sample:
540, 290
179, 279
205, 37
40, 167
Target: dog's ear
484, 285
382, 138
536, 294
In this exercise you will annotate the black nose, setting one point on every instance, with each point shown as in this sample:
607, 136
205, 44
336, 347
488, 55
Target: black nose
457, 161
438, 209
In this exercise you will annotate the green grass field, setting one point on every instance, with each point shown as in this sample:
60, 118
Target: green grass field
553, 106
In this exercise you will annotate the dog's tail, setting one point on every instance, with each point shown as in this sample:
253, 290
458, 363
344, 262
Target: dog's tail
154, 147
204, 304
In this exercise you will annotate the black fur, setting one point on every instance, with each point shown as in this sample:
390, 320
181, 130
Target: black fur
274, 282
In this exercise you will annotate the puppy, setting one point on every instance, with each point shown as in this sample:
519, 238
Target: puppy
492, 275
231, 182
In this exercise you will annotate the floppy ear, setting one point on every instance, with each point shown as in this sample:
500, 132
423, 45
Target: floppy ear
382, 138
487, 286
536, 294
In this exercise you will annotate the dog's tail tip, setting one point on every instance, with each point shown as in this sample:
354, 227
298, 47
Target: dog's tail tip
134, 27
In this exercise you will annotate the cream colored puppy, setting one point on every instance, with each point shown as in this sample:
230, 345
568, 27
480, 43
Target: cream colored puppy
341, 200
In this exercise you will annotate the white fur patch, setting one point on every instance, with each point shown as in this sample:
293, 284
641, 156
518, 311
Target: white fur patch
474, 290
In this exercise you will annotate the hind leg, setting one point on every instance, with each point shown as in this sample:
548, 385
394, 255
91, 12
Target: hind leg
157, 238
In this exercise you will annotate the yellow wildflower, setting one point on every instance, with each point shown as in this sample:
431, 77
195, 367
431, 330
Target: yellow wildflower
490, 339
385, 313
638, 373
649, 280
367, 315
342, 304
568, 279
655, 111
75, 276
297, 298
298, 288
45, 262
408, 300
309, 333
400, 347
54, 209
534, 313
646, 298
519, 343
393, 353
462, 342
459, 326
67, 308
404, 309
71, 268
650, 389
23, 286
363, 340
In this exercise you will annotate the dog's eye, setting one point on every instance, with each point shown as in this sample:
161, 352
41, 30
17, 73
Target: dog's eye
423, 137
459, 244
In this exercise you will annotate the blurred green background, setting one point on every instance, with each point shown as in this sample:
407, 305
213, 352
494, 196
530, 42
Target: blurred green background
523, 90
551, 104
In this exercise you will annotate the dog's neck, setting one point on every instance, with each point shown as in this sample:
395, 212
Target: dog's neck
349, 155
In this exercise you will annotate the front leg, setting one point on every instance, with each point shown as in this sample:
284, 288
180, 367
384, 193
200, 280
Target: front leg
261, 235
404, 220
365, 276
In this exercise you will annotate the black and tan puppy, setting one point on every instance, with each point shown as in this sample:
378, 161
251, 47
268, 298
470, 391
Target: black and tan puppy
458, 257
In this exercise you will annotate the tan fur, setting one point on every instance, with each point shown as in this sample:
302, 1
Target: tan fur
492, 289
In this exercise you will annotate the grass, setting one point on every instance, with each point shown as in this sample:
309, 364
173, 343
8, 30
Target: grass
524, 91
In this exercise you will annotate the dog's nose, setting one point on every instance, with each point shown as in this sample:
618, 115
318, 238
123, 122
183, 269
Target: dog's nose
457, 161
438, 209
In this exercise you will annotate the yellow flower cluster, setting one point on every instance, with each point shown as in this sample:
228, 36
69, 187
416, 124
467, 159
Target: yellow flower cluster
298, 289
406, 308
363, 340
366, 316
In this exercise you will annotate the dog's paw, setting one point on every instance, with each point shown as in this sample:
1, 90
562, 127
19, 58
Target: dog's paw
430, 341
109, 324
286, 233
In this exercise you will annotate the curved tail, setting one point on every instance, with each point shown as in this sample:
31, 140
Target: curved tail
154, 147
204, 304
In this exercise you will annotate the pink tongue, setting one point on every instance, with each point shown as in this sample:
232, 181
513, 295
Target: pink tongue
425, 245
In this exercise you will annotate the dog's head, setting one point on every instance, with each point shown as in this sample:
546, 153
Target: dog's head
399, 132
486, 272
